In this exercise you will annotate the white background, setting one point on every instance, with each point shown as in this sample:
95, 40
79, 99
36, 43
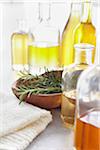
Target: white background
59, 138
10, 11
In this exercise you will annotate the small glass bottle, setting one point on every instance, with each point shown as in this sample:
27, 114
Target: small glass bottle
19, 47
67, 43
87, 128
85, 32
44, 51
83, 58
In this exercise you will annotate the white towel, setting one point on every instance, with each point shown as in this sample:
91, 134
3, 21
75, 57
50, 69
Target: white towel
20, 124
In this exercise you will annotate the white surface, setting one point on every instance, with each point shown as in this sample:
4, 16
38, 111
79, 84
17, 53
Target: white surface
20, 124
55, 137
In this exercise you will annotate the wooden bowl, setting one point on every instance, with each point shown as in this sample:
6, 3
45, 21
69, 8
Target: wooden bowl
47, 101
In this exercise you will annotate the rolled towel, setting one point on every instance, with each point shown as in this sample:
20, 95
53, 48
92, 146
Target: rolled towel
20, 124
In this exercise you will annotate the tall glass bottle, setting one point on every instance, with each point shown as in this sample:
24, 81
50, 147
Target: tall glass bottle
44, 51
83, 58
19, 46
87, 128
67, 43
85, 31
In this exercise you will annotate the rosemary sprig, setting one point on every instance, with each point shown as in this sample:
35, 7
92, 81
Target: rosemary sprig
48, 83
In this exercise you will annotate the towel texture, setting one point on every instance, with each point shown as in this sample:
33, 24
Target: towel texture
20, 124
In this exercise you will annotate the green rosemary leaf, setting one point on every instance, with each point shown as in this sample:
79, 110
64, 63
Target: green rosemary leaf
22, 98
47, 83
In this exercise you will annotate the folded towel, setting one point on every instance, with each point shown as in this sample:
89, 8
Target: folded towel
20, 124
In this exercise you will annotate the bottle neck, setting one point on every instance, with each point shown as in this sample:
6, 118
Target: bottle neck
83, 57
22, 26
86, 12
75, 9
45, 11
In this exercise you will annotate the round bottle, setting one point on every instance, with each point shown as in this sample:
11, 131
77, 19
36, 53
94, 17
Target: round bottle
87, 128
83, 58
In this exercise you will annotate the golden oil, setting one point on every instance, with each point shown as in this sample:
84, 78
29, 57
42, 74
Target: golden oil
19, 46
68, 106
20, 50
85, 31
67, 43
42, 56
87, 134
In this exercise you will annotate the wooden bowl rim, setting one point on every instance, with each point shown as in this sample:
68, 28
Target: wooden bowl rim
53, 94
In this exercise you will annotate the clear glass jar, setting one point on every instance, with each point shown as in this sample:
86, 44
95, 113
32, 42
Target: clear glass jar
87, 129
83, 58
44, 52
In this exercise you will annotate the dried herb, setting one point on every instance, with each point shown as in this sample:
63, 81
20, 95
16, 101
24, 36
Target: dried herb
47, 83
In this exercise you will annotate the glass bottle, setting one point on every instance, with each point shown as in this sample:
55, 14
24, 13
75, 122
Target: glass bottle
70, 77
19, 47
67, 43
85, 32
87, 128
44, 51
